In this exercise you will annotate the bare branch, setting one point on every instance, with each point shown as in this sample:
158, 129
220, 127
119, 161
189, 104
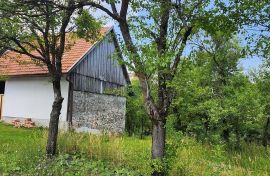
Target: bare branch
83, 3
32, 47
114, 8
24, 51
40, 43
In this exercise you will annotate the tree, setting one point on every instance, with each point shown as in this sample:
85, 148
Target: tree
242, 106
38, 29
214, 98
254, 21
224, 53
154, 43
194, 99
263, 82
137, 121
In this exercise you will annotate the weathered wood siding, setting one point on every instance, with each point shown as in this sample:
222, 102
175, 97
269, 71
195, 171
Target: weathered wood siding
98, 70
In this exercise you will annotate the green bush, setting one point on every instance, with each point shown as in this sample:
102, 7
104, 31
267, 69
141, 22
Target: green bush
137, 120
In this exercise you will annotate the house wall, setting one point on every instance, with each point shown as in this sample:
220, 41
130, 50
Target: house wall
98, 112
32, 97
98, 70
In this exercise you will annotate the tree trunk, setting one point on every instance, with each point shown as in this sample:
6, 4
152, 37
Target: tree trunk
237, 133
226, 135
158, 143
70, 105
225, 132
265, 133
142, 122
54, 118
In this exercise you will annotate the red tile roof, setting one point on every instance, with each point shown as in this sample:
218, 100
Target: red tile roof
14, 64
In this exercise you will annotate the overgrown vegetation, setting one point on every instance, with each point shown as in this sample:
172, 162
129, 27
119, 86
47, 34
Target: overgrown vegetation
22, 153
137, 121
218, 104
216, 116
215, 101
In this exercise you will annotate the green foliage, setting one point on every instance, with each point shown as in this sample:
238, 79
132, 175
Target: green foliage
40, 26
83, 154
3, 77
137, 120
262, 80
253, 19
215, 101
20, 148
87, 26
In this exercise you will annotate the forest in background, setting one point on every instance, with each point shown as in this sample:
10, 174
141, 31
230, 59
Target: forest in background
216, 101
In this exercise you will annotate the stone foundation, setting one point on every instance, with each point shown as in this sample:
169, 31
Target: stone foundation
98, 112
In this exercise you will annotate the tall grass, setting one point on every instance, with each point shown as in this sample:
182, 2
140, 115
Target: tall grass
23, 153
97, 147
120, 151
195, 159
191, 157
20, 148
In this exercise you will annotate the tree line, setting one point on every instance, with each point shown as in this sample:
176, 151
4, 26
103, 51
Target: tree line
215, 100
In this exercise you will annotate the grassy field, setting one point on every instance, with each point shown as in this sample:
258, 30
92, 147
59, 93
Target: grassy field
22, 153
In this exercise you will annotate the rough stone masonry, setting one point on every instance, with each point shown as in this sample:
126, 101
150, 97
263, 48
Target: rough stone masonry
98, 112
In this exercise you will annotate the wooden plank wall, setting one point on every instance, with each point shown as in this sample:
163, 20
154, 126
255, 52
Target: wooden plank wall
98, 70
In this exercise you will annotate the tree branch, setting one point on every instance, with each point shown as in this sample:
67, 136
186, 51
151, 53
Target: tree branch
114, 8
83, 3
178, 55
124, 8
25, 52
163, 27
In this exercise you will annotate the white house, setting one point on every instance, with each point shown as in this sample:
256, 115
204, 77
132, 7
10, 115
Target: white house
88, 70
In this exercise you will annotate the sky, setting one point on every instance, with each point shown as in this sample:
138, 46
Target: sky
250, 63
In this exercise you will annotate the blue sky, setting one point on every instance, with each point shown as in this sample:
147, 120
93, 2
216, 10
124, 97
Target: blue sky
250, 63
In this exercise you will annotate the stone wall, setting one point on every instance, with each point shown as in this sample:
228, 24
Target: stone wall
98, 112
